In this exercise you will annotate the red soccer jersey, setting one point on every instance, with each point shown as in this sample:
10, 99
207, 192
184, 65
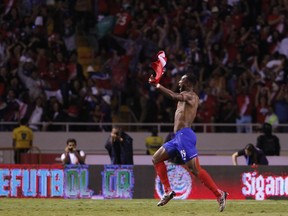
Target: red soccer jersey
122, 23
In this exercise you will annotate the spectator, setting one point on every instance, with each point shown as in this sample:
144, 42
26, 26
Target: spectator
73, 115
96, 116
11, 113
261, 103
55, 114
228, 114
32, 82
105, 108
276, 19
252, 154
75, 90
244, 102
153, 142
75, 69
120, 147
268, 142
272, 118
52, 89
22, 140
202, 36
72, 155
60, 76
36, 116
207, 108
281, 107
69, 34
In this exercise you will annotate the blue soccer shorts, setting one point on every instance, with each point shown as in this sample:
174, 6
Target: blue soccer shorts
184, 142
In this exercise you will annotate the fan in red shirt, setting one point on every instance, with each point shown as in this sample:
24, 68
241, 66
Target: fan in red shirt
276, 19
245, 102
122, 23
262, 102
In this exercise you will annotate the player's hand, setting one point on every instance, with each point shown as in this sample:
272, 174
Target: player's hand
152, 80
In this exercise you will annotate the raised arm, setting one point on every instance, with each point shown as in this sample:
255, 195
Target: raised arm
21, 74
169, 93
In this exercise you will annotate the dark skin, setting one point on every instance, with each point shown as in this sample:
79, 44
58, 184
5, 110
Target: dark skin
184, 116
71, 148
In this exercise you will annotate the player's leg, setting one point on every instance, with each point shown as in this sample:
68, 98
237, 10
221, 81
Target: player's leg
206, 179
158, 161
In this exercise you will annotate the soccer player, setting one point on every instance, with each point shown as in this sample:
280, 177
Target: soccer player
184, 141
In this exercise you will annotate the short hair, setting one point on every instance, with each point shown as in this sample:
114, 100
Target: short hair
119, 128
191, 78
71, 140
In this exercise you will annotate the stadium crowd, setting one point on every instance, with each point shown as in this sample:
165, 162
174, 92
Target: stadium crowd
237, 48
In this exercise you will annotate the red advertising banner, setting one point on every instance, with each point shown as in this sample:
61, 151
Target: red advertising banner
259, 183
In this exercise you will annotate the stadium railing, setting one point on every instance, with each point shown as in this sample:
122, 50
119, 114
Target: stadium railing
132, 127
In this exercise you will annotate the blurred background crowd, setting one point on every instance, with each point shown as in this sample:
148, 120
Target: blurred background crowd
89, 61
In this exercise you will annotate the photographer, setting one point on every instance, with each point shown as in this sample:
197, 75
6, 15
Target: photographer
252, 154
120, 147
72, 155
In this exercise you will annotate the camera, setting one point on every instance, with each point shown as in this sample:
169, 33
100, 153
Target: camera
70, 148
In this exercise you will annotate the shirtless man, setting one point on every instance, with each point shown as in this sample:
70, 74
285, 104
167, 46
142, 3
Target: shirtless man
184, 141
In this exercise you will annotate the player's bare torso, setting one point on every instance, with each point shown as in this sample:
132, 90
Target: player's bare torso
186, 111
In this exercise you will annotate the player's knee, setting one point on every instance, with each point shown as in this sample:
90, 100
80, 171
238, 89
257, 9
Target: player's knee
195, 172
154, 160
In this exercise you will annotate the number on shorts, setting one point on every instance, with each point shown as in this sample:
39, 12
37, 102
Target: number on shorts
183, 154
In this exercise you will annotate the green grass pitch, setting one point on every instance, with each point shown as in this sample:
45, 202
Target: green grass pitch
138, 207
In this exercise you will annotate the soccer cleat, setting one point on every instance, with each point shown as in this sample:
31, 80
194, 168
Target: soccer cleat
222, 200
166, 198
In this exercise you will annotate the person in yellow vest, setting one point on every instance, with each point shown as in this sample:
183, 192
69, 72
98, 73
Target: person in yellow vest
272, 119
153, 142
22, 140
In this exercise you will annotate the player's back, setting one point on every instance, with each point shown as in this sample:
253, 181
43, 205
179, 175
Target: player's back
23, 136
